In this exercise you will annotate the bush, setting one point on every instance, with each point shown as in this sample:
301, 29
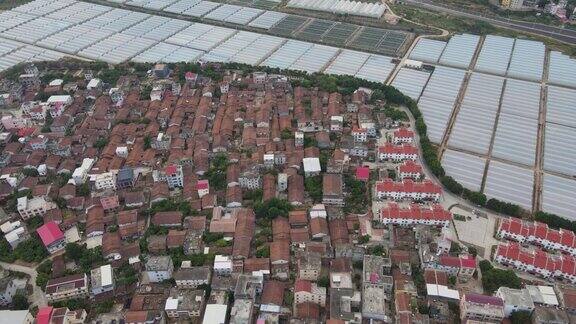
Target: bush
555, 221
496, 278
503, 207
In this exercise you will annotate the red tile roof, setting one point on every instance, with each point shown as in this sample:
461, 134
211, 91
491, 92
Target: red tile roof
389, 148
408, 186
362, 173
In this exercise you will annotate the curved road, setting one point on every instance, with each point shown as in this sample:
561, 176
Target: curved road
560, 34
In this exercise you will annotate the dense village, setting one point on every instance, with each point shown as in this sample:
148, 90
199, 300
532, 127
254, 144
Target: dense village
218, 194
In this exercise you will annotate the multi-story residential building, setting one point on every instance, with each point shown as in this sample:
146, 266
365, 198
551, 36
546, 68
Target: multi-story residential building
184, 303
68, 287
125, 178
336, 123
311, 166
397, 153
515, 300
192, 277
537, 233
80, 174
435, 215
536, 261
9, 286
410, 169
105, 181
487, 309
309, 266
408, 189
159, 268
360, 135
223, 265
203, 188
298, 138
403, 135
308, 292
250, 179
162, 142
102, 279
282, 182
172, 174
13, 122
52, 237
31, 207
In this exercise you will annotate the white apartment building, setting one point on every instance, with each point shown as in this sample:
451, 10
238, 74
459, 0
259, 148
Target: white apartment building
308, 292
80, 174
102, 279
105, 181
159, 268
31, 207
360, 135
222, 265
403, 135
397, 153
408, 189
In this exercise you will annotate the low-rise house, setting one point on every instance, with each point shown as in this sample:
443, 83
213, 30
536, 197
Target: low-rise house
242, 311
192, 277
69, 287
332, 189
14, 232
167, 219
102, 279
9, 287
159, 268
311, 166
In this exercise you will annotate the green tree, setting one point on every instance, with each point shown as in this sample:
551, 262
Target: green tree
324, 281
496, 278
20, 301
313, 186
520, 317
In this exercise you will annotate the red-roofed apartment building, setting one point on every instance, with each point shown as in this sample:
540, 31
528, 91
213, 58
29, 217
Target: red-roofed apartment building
49, 315
403, 135
69, 287
408, 189
415, 215
537, 261
52, 237
410, 169
172, 174
308, 292
463, 266
538, 234
397, 152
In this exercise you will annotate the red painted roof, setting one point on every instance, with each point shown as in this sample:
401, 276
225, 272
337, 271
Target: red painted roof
171, 169
390, 148
410, 167
202, 184
44, 315
50, 233
538, 258
407, 185
302, 285
416, 212
539, 231
362, 173
403, 132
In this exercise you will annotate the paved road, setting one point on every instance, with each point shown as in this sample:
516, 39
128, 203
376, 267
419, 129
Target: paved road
37, 298
560, 34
